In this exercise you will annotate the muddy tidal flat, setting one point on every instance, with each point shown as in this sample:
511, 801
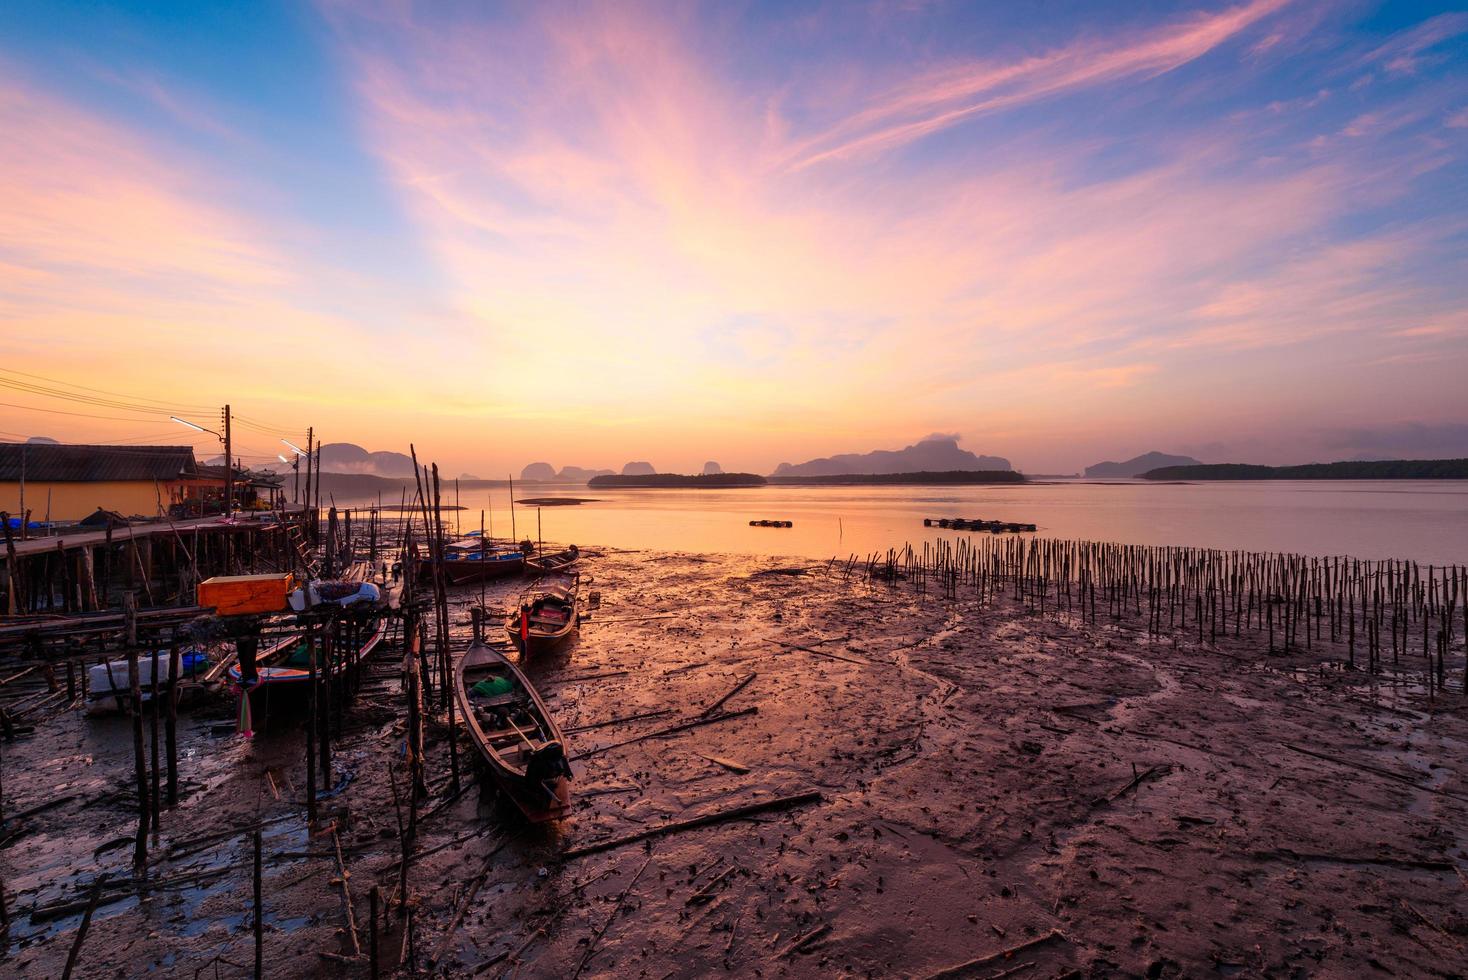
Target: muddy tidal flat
963, 789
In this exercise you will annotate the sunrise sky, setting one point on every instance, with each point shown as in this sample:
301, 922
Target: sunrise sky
741, 231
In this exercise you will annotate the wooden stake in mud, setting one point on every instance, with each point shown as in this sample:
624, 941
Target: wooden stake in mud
140, 764
453, 740
374, 898
311, 733
81, 932
155, 716
259, 915
322, 704
170, 731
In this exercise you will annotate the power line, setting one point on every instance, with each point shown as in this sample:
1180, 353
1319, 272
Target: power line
266, 428
80, 415
127, 406
93, 392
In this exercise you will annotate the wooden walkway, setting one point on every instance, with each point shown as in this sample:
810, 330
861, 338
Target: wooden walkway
81, 539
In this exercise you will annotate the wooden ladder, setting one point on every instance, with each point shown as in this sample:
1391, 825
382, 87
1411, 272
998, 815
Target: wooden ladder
298, 541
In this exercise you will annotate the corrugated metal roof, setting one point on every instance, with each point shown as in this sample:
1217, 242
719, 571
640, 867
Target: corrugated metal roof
93, 464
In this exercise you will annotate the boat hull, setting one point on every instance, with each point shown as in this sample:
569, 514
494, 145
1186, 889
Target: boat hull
554, 615
504, 744
465, 571
557, 562
280, 692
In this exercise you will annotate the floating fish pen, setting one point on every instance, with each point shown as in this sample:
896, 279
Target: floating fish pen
977, 524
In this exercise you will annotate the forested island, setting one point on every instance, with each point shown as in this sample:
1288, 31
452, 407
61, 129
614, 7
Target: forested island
666, 481
1387, 469
943, 477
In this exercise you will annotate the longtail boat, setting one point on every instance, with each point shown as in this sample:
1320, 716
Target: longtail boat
202, 671
279, 680
556, 561
476, 566
545, 618
509, 724
471, 560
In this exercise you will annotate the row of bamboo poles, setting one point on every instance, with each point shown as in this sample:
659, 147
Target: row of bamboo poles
1388, 610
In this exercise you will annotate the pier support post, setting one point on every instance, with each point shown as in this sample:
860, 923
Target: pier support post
170, 732
311, 733
259, 915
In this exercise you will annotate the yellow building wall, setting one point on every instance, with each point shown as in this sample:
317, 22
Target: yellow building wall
73, 501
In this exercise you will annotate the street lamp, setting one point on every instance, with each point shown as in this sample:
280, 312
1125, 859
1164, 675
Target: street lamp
191, 425
296, 466
228, 458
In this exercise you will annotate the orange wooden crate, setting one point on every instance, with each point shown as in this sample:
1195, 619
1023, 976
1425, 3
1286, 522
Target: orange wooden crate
240, 595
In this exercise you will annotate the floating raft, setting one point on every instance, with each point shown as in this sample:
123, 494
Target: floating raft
976, 524
771, 523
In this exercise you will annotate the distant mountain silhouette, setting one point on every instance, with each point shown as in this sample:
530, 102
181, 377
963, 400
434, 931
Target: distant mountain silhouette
538, 471
638, 469
1138, 465
664, 481
1386, 469
930, 455
42, 441
346, 457
580, 474
711, 468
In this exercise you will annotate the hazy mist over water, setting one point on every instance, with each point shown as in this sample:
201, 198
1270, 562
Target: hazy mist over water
1425, 521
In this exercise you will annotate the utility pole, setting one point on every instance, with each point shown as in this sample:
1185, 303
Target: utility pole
228, 469
228, 489
310, 434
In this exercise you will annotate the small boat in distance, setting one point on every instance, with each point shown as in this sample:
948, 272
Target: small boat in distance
556, 561
509, 724
545, 618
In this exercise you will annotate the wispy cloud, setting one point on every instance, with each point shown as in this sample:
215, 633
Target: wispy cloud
938, 99
81, 195
1407, 52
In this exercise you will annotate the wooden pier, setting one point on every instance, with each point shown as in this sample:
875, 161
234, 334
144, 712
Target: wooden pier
86, 570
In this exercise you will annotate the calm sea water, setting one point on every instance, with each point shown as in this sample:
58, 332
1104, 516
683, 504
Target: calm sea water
1426, 521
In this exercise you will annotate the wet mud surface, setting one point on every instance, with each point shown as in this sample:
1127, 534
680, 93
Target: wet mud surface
988, 779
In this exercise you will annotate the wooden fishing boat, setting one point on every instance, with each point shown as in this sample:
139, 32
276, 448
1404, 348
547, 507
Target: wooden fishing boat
545, 618
475, 566
556, 561
281, 684
470, 561
509, 724
203, 668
